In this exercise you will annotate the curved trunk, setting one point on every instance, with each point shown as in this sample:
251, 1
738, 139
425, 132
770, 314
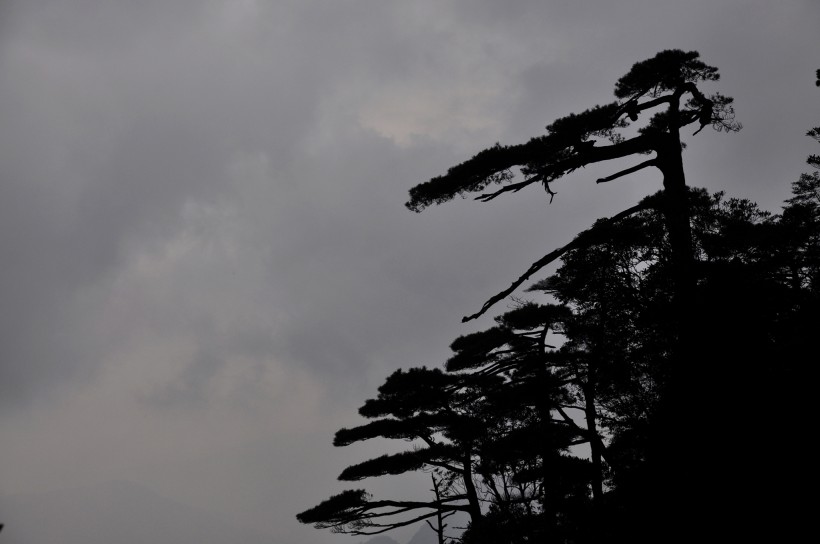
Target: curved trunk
469, 487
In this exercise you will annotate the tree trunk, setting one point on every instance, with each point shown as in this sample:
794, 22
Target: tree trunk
675, 481
469, 487
594, 444
544, 413
439, 528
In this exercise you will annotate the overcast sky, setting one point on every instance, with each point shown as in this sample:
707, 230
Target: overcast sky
206, 262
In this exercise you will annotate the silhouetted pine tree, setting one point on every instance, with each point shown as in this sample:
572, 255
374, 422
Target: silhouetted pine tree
686, 327
425, 408
666, 85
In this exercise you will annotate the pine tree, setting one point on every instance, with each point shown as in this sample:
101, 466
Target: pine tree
686, 329
668, 86
426, 408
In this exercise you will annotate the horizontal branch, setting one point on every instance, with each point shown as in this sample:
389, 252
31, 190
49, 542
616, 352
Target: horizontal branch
373, 510
390, 527
414, 504
626, 172
666, 99
591, 155
447, 466
546, 159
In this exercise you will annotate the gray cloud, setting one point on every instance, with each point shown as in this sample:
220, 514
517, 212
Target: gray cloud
207, 264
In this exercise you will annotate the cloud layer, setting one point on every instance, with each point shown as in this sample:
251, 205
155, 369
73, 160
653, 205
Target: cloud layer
207, 265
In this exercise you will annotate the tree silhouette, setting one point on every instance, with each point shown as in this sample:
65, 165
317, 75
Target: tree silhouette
684, 331
621, 341
665, 84
440, 526
537, 488
516, 405
426, 408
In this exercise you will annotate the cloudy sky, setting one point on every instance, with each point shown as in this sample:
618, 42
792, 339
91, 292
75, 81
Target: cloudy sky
206, 261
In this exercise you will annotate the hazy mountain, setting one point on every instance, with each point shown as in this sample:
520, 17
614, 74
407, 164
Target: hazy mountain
114, 513
424, 535
381, 539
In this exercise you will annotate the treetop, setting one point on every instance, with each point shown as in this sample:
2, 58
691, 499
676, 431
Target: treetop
667, 71
572, 141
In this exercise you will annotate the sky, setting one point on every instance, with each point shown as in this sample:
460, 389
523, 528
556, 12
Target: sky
207, 266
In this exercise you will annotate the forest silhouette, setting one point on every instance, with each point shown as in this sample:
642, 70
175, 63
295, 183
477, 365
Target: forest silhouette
672, 343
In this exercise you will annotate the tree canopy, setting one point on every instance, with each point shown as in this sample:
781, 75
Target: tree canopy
639, 395
573, 141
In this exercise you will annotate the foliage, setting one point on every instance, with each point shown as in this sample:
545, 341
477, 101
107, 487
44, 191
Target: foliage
661, 344
571, 142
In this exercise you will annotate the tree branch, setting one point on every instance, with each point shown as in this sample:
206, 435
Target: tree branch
579, 241
448, 466
645, 164
515, 187
585, 432
592, 155
632, 108
391, 526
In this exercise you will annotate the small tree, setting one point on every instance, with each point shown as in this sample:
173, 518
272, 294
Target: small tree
535, 486
427, 409
484, 430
